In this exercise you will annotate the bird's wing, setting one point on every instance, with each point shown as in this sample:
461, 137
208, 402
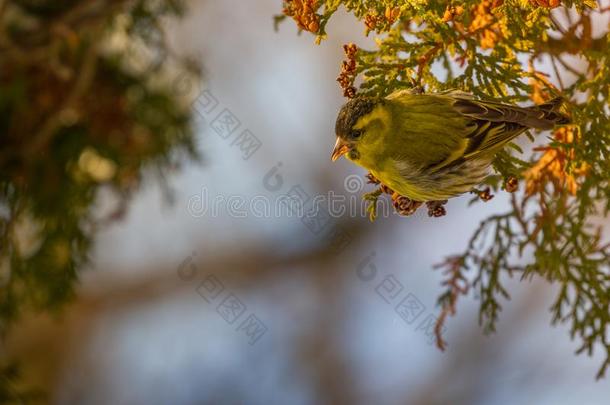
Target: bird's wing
445, 129
427, 130
489, 136
435, 131
488, 110
494, 124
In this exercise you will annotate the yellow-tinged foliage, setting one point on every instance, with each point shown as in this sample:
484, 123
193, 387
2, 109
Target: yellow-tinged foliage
513, 51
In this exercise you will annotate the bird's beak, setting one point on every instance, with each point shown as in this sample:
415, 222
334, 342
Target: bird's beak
341, 148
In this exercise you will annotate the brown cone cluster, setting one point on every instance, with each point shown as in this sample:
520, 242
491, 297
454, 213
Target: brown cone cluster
404, 206
304, 13
485, 195
436, 209
392, 14
348, 71
546, 3
451, 12
511, 184
370, 21
486, 24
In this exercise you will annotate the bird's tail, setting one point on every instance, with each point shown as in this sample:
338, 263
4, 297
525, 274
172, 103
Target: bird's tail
551, 113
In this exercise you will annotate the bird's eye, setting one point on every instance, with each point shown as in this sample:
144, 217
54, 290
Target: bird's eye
356, 134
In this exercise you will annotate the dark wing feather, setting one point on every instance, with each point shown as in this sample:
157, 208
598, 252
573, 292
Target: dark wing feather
495, 124
544, 116
490, 136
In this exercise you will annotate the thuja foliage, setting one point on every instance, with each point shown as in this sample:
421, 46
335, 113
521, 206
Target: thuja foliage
86, 105
513, 51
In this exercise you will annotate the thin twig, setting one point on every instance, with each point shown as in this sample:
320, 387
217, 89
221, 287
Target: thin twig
554, 63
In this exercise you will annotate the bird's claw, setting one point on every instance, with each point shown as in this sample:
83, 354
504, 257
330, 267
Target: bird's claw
372, 199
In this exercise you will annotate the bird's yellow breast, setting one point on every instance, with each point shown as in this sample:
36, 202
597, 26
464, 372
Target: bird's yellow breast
391, 177
412, 183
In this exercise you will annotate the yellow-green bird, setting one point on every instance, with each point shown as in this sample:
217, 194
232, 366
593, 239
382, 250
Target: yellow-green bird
431, 147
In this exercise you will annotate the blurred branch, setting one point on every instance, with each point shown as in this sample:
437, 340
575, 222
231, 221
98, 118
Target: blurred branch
77, 114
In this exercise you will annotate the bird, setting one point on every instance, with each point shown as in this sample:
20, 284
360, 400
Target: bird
434, 146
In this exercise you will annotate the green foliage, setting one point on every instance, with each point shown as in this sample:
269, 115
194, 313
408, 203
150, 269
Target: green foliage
514, 51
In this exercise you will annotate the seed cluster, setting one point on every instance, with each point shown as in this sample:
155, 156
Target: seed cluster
348, 71
370, 21
485, 195
404, 206
374, 20
304, 13
487, 23
392, 14
511, 184
451, 12
546, 3
436, 209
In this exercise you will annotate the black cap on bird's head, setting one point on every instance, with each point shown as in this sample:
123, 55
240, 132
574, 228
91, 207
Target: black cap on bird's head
350, 113
348, 116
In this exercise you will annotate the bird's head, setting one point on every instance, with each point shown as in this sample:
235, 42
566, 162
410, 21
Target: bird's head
361, 124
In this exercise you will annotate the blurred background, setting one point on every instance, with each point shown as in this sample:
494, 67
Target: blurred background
182, 305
